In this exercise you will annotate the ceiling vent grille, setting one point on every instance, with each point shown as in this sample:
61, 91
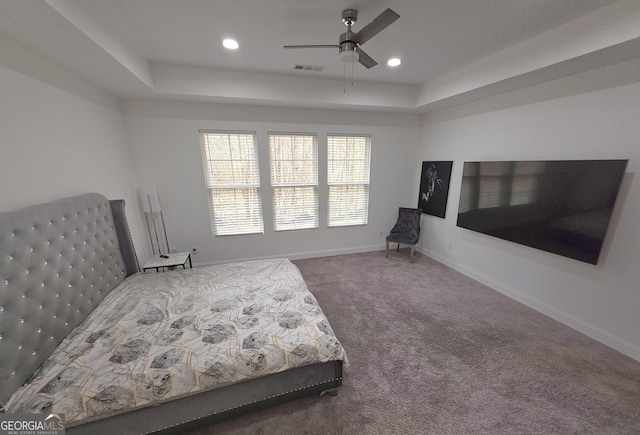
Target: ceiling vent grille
316, 68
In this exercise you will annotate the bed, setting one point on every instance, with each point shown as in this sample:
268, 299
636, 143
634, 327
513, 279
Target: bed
84, 333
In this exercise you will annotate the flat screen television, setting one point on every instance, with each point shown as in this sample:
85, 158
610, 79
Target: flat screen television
560, 206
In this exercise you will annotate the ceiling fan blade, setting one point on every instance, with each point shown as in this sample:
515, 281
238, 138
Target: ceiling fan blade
378, 24
365, 59
312, 46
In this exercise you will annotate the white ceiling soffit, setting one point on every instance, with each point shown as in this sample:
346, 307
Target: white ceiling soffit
136, 50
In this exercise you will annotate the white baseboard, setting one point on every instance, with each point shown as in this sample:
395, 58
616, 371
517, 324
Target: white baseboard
598, 334
304, 254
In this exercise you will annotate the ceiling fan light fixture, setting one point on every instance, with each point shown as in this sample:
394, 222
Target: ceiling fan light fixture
394, 61
349, 56
230, 44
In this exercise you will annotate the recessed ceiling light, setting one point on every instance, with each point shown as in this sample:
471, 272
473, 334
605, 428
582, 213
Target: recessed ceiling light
394, 62
231, 44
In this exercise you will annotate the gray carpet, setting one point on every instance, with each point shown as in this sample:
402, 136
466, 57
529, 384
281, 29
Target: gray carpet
434, 352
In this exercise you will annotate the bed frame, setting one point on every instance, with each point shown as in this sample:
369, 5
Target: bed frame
57, 262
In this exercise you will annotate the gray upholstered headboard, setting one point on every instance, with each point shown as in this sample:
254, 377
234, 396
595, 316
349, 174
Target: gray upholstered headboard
57, 262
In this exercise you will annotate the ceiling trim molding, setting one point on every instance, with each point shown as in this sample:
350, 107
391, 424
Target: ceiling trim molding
105, 39
604, 37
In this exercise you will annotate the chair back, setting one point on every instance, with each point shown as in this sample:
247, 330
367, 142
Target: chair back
408, 222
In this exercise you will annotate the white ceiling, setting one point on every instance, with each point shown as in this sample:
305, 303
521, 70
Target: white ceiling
171, 49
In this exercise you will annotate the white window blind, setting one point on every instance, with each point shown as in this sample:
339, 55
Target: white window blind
232, 177
348, 167
294, 180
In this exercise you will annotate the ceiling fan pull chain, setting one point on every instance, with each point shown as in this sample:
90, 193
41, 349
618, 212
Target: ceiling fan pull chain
344, 78
352, 74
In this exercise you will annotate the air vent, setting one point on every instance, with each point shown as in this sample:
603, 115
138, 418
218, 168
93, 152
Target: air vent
316, 68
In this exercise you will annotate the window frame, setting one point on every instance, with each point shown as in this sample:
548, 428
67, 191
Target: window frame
223, 226
345, 184
278, 185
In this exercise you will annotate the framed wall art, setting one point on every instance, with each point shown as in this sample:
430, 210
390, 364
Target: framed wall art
434, 187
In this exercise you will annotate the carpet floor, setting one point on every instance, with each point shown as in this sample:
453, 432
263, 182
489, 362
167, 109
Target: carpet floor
432, 351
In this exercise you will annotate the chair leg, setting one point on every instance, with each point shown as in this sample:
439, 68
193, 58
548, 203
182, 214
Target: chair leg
387, 256
398, 250
413, 249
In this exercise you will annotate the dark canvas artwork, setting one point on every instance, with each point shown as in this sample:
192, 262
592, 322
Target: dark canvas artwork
434, 188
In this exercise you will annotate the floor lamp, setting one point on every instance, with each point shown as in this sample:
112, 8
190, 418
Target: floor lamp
155, 221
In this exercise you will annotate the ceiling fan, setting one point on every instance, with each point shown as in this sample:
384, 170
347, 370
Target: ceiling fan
349, 42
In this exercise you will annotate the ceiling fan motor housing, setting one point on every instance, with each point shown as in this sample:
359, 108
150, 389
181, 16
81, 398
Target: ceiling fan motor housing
348, 50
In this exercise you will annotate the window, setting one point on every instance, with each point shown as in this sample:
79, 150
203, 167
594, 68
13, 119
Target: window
349, 159
294, 180
232, 177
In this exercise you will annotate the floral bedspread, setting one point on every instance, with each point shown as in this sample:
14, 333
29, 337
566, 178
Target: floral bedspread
159, 336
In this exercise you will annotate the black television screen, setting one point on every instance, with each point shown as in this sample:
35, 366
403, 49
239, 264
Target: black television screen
560, 206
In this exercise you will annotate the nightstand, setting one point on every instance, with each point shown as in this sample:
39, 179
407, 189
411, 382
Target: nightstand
175, 259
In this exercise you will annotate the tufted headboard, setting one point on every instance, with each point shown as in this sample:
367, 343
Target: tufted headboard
57, 262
